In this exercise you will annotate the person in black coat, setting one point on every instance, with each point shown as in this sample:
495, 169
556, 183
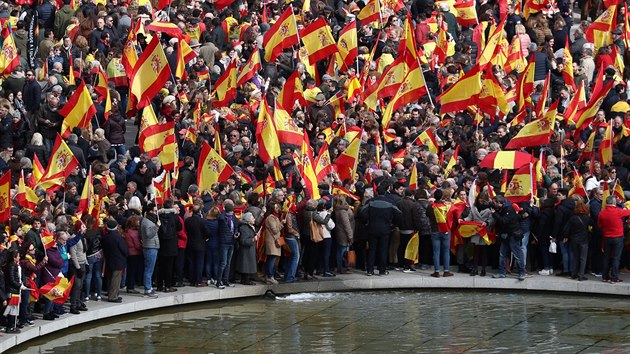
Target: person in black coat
576, 229
561, 217
115, 128
6, 121
167, 233
32, 96
116, 253
508, 225
543, 234
13, 285
198, 234
246, 256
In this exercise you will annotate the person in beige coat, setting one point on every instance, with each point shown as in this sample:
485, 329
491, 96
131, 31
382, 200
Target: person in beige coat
344, 231
272, 232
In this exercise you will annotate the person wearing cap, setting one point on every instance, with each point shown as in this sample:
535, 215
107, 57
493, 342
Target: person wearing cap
618, 40
116, 252
320, 105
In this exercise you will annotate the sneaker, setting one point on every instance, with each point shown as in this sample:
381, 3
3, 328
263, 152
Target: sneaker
616, 280
150, 294
271, 281
408, 270
599, 275
220, 285
521, 277
231, 285
30, 323
86, 299
435, 274
132, 291
447, 274
369, 274
98, 297
329, 274
383, 273
544, 272
498, 276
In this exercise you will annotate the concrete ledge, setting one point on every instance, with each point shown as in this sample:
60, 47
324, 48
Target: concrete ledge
350, 282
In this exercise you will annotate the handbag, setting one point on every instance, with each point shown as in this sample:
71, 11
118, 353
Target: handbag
317, 234
552, 247
281, 241
352, 258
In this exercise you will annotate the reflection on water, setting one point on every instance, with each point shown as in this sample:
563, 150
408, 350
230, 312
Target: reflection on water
364, 322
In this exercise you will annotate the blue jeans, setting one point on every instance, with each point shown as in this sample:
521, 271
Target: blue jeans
514, 245
270, 266
211, 265
524, 243
225, 259
441, 242
94, 272
150, 256
24, 310
340, 252
567, 256
195, 265
613, 246
292, 261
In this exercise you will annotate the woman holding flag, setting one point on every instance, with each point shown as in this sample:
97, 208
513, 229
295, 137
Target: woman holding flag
13, 281
30, 269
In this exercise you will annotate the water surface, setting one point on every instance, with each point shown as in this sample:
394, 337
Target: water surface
363, 322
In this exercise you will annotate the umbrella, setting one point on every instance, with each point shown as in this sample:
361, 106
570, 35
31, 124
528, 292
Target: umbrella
506, 159
169, 28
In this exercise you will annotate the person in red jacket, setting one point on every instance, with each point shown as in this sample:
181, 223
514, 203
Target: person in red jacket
609, 221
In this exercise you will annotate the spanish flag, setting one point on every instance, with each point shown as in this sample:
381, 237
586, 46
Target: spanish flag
25, 197
578, 186
266, 134
250, 69
451, 162
427, 138
347, 45
9, 57
103, 90
291, 91
48, 239
184, 55
78, 111
537, 132
87, 201
585, 116
577, 102
59, 291
162, 189
38, 169
286, 128
521, 188
515, 59
150, 73
567, 69
346, 163
525, 84
599, 32
618, 191
387, 84
318, 40
212, 168
339, 190
371, 12
492, 46
492, 96
413, 177
5, 197
307, 171
531, 7
225, 87
62, 162
411, 250
466, 13
283, 34
587, 152
544, 94
323, 165
411, 89
462, 93
504, 181
407, 44
43, 73
116, 73
605, 147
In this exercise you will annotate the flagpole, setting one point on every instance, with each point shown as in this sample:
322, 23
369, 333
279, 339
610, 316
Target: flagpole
561, 168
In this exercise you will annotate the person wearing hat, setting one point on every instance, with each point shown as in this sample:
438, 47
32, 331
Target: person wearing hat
618, 40
320, 105
116, 252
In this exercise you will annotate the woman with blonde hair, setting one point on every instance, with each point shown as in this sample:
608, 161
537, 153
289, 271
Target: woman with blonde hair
344, 230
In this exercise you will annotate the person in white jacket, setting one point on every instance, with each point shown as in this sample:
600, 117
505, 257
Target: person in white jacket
326, 244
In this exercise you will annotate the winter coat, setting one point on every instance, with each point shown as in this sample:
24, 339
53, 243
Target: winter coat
167, 232
227, 228
198, 233
185, 179
507, 221
94, 246
308, 215
32, 96
149, 234
380, 216
13, 283
78, 253
115, 129
48, 131
213, 226
53, 267
563, 212
410, 214
344, 230
133, 241
62, 20
544, 227
246, 257
182, 236
424, 227
116, 251
576, 229
6, 128
273, 226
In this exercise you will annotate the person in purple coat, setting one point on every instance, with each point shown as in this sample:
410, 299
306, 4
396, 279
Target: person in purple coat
49, 275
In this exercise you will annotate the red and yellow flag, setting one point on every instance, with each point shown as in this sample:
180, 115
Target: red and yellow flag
266, 134
184, 55
567, 69
605, 147
62, 162
347, 45
225, 87
427, 138
250, 69
291, 92
411, 89
286, 128
283, 34
464, 92
492, 96
78, 112
521, 187
413, 177
162, 189
211, 169
5, 197
9, 57
451, 162
537, 132
150, 73
387, 84
578, 185
515, 59
323, 165
466, 13
307, 171
318, 41
87, 201
25, 197
585, 116
58, 291
525, 85
43, 73
577, 102
371, 12
103, 90
599, 32
346, 163
339, 190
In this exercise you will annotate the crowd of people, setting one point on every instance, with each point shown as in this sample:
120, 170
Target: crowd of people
267, 222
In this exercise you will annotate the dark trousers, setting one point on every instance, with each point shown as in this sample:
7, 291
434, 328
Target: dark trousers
612, 254
311, 255
324, 260
580, 252
180, 263
377, 252
164, 273
115, 276
426, 250
480, 252
195, 265
135, 266
596, 256
75, 293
